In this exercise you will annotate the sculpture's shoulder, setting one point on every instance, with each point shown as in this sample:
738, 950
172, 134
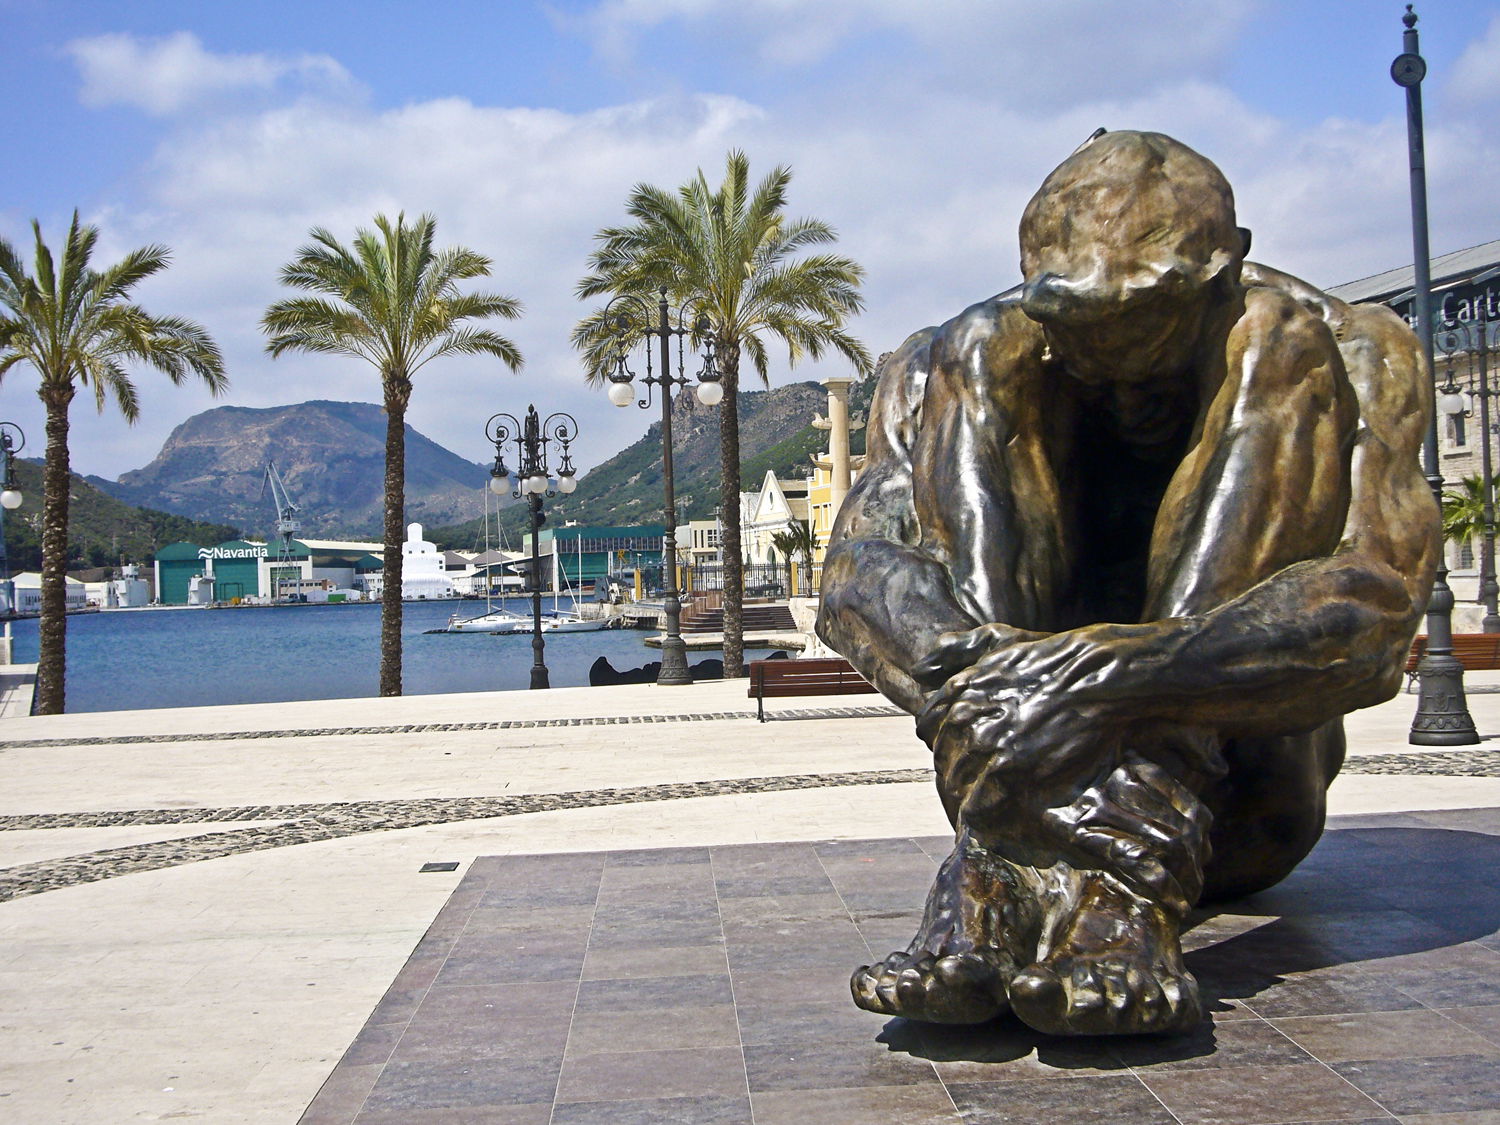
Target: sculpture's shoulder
988, 341
1380, 351
1373, 324
1289, 311
990, 338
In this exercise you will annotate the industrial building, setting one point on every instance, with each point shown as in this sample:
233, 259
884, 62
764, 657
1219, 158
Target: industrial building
243, 569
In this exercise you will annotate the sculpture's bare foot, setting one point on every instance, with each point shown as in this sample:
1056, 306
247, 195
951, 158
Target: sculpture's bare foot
957, 967
1114, 968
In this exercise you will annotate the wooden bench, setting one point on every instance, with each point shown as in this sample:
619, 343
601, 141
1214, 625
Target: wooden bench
1477, 652
775, 678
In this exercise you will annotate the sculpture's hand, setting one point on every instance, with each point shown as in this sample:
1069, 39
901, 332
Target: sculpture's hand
1044, 743
1035, 720
1004, 752
957, 651
1107, 662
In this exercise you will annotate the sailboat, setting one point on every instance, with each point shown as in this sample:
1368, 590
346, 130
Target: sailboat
492, 620
570, 620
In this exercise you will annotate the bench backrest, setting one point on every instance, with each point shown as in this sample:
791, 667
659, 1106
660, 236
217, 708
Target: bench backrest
1482, 649
817, 672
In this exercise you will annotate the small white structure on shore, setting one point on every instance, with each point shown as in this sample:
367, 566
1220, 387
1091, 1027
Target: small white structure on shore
423, 573
28, 588
129, 591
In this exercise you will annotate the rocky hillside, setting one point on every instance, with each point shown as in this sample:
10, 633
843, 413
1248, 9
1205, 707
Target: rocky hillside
331, 456
776, 433
102, 530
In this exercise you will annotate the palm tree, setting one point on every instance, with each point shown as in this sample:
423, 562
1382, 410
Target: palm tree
75, 326
1463, 513
734, 252
794, 541
393, 301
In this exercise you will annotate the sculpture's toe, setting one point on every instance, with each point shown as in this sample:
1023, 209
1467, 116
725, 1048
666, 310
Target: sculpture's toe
958, 988
1094, 999
1039, 1000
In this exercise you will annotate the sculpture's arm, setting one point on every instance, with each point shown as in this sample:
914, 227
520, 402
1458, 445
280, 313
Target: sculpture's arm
1313, 639
886, 600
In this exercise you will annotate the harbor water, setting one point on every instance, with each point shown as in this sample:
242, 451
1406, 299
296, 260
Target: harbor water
130, 659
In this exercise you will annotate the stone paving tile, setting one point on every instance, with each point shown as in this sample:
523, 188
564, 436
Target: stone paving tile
406, 1087
537, 1113
910, 1105
1119, 1100
1484, 1020
1437, 1084
638, 1075
650, 994
665, 1029
827, 1066
1255, 1095
661, 961
1212, 1047
709, 1110
1383, 1035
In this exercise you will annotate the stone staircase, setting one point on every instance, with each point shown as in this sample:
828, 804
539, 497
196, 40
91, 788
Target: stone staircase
759, 618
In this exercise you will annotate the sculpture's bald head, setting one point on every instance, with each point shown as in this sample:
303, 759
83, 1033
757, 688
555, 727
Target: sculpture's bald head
1127, 216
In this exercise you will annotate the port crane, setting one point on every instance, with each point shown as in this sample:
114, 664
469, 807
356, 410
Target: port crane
287, 525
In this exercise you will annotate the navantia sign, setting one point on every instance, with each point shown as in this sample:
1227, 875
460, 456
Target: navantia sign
231, 552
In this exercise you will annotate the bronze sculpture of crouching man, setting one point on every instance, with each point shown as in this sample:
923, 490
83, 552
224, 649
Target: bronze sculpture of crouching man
1128, 543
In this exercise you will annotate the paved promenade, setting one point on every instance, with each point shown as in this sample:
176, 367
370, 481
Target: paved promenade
201, 909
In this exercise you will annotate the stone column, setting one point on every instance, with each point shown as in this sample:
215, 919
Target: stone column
838, 435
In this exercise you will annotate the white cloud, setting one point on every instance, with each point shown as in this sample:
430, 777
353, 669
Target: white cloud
925, 184
167, 75
1476, 75
1017, 51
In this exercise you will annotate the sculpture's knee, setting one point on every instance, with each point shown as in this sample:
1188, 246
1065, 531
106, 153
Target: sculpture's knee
1269, 809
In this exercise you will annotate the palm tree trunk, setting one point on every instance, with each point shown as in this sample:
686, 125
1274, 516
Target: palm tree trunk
729, 500
395, 535
52, 660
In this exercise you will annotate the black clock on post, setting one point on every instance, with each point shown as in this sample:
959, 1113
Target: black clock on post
1408, 69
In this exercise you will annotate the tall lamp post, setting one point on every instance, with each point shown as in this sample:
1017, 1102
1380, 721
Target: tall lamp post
1442, 717
669, 324
12, 441
1473, 341
532, 440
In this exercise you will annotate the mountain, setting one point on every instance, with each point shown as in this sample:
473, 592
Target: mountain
776, 434
331, 456
102, 530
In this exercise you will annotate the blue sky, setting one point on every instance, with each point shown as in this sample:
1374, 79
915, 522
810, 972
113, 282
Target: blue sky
226, 131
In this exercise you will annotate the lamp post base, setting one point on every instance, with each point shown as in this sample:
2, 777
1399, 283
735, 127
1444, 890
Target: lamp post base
674, 669
1442, 717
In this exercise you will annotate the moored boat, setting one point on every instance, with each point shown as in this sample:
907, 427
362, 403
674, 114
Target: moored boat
495, 621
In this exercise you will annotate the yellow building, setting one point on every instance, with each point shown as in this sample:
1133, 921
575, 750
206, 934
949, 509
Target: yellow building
822, 506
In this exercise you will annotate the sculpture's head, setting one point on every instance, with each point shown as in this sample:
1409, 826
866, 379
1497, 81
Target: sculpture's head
1129, 220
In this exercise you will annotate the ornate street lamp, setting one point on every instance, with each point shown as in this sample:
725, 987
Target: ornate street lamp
1442, 717
1470, 343
669, 324
12, 441
532, 440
